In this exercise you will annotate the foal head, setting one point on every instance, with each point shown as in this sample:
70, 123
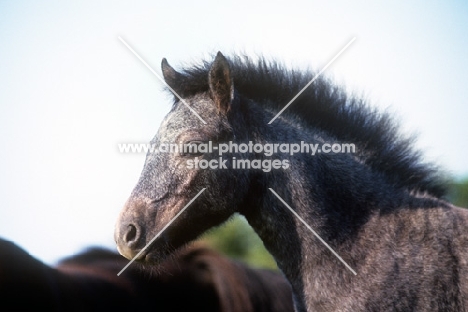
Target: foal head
179, 167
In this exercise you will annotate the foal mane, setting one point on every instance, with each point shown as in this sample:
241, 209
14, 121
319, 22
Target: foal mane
327, 107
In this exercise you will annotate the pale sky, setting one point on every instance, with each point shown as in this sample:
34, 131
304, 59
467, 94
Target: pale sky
71, 91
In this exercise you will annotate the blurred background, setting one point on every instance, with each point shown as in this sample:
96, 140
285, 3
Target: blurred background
70, 92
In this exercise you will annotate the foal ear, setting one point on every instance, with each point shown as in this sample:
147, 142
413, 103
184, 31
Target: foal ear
171, 77
221, 84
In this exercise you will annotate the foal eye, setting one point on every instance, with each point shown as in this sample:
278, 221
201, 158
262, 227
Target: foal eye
193, 148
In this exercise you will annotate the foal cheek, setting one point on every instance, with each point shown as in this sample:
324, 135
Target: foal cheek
188, 180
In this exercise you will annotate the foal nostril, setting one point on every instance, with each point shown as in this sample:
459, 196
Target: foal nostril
131, 234
129, 238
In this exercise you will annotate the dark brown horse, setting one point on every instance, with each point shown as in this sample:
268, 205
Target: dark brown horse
195, 279
380, 208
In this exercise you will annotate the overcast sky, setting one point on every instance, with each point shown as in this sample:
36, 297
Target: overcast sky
70, 91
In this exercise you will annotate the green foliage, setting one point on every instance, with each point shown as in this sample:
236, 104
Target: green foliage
237, 240
458, 193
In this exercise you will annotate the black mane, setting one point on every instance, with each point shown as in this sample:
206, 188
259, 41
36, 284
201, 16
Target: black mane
326, 106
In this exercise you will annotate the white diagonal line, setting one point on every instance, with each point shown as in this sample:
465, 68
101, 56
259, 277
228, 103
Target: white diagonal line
313, 79
323, 242
159, 77
160, 232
